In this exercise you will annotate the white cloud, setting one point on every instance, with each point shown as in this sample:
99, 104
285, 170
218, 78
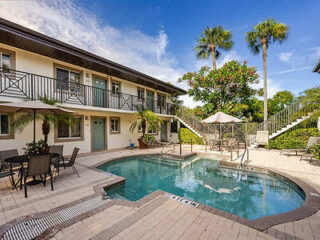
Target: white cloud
189, 102
285, 56
291, 70
69, 23
227, 57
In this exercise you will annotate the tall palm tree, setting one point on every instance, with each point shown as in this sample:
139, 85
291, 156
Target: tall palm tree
47, 119
210, 40
145, 117
262, 35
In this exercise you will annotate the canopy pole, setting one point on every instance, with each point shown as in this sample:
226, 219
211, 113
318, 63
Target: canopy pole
34, 125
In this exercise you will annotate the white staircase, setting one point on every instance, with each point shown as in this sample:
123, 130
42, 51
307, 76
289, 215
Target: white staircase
189, 126
289, 126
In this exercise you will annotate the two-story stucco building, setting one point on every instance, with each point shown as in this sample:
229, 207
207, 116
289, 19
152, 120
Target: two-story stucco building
104, 95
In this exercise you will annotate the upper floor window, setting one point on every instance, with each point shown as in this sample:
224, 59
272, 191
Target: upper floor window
115, 87
68, 80
161, 100
5, 60
71, 130
140, 94
4, 124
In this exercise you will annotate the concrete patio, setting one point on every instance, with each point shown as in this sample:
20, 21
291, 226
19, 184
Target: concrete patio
154, 217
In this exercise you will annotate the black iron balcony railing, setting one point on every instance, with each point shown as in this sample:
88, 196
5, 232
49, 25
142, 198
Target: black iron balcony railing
31, 86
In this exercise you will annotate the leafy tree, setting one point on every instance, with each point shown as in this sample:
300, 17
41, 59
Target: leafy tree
23, 120
283, 99
145, 118
222, 89
212, 39
262, 35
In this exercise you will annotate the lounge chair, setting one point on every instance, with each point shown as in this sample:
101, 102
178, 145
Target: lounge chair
37, 165
69, 162
302, 152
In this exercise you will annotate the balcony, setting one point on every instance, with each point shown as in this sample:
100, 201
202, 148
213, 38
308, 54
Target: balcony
18, 84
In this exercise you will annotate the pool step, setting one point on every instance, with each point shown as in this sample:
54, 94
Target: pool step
163, 161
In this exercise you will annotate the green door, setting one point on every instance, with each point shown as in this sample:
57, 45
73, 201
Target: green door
99, 92
164, 131
150, 100
98, 132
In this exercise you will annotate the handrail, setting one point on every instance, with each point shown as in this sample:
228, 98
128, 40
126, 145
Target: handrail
241, 162
19, 84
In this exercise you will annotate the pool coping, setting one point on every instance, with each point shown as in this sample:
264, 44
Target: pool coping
309, 207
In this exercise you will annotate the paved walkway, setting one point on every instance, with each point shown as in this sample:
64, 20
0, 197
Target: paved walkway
160, 218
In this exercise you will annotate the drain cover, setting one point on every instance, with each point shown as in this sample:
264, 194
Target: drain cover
33, 228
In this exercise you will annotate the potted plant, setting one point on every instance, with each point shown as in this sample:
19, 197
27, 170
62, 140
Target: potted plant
145, 118
37, 148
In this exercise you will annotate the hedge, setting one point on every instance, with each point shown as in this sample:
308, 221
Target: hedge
294, 139
185, 136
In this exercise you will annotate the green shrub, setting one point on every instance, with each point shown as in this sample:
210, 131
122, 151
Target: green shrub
185, 136
294, 139
315, 150
148, 139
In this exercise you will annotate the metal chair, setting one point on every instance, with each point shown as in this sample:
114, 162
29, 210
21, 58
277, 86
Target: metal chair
59, 150
7, 169
38, 165
70, 162
7, 154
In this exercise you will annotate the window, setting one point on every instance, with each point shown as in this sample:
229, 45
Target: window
174, 127
5, 60
115, 88
66, 131
140, 94
161, 100
114, 125
67, 79
4, 124
152, 130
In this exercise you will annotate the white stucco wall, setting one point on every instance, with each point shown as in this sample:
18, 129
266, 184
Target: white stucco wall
37, 64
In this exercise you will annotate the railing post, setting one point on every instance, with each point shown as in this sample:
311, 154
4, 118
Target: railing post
191, 144
32, 87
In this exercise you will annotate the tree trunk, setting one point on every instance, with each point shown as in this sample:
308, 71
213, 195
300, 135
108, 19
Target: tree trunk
45, 130
213, 55
265, 85
144, 126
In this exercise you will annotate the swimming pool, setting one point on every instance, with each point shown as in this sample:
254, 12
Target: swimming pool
246, 194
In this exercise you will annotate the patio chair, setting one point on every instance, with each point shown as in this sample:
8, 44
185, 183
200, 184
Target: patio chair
59, 150
304, 152
7, 154
69, 163
38, 166
5, 168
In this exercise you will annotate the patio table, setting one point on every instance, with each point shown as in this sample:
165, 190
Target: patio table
23, 159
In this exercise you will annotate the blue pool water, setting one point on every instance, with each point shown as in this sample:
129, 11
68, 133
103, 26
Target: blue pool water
242, 193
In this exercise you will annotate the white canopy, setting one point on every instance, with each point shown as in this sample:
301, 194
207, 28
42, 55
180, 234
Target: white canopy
221, 117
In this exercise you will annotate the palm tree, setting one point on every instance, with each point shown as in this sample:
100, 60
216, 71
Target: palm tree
47, 119
210, 40
262, 35
145, 118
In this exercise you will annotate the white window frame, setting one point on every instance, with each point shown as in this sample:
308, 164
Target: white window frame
6, 134
70, 130
10, 55
118, 87
143, 93
119, 125
69, 73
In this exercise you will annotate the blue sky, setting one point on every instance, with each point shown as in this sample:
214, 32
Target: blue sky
158, 37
